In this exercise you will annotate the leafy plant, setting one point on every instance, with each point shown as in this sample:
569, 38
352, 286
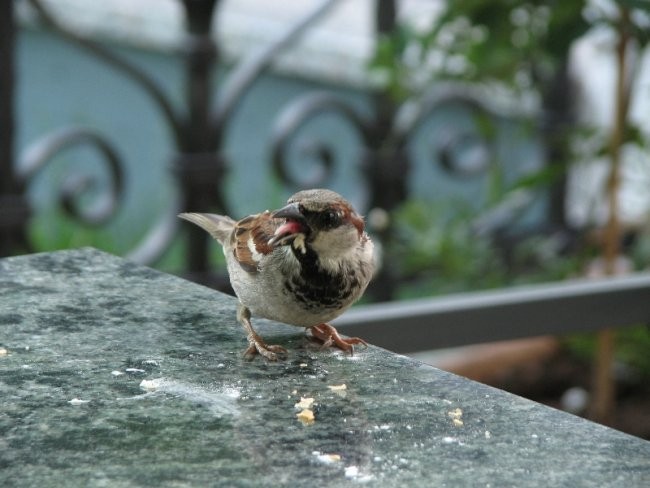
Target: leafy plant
522, 47
439, 252
520, 44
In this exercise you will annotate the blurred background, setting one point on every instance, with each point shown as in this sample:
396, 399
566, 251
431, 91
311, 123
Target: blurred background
489, 144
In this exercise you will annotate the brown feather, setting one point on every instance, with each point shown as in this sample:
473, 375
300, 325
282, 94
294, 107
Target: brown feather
261, 228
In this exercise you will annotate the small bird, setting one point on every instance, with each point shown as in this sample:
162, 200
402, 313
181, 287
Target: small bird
304, 265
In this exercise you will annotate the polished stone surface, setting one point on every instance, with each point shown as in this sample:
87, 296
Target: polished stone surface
113, 374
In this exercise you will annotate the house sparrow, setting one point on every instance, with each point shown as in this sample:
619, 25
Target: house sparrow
303, 265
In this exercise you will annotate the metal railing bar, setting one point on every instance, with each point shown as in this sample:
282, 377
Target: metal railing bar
469, 318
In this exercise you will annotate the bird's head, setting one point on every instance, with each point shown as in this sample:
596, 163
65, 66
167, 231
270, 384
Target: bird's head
321, 220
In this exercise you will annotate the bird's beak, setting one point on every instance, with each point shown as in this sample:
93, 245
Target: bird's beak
295, 225
290, 211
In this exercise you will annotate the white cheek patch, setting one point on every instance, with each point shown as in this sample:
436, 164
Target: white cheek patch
254, 254
299, 243
335, 244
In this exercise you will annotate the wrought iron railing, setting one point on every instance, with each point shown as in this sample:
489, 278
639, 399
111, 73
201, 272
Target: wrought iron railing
199, 129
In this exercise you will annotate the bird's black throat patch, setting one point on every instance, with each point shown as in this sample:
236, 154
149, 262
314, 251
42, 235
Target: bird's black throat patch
317, 288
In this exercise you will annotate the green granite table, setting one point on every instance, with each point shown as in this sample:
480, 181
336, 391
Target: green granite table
112, 374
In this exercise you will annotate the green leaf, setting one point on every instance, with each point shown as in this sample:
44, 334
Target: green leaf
546, 176
634, 135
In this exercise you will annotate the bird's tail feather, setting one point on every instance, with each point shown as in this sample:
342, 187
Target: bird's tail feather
219, 226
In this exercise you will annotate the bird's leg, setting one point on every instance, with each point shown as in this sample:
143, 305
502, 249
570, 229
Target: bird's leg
329, 336
255, 343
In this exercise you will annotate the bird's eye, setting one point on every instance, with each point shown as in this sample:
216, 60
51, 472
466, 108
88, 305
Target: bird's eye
330, 219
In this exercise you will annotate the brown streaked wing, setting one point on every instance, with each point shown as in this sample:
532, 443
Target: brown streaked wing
260, 228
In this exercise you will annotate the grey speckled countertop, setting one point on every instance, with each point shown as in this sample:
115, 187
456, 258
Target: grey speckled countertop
112, 374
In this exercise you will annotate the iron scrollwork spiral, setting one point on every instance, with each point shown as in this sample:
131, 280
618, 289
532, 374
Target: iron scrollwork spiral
465, 153
462, 153
77, 184
105, 196
293, 118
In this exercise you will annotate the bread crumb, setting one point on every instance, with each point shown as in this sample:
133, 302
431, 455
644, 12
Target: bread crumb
304, 403
456, 413
456, 417
306, 416
299, 243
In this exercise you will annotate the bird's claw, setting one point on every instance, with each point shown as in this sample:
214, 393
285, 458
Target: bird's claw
330, 337
271, 352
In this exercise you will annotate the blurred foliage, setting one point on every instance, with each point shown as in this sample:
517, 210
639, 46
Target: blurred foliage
632, 347
439, 253
518, 43
522, 47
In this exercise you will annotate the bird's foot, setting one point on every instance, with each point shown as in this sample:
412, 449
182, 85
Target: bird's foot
256, 345
329, 336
